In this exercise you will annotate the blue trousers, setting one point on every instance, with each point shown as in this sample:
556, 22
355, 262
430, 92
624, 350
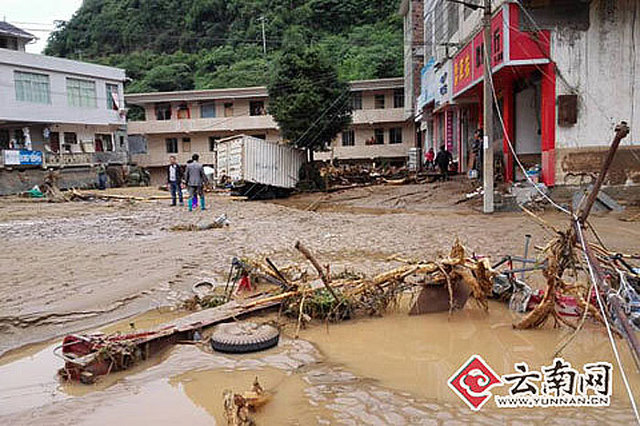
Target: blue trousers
174, 187
102, 181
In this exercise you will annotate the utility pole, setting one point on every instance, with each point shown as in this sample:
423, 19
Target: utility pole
487, 143
487, 165
264, 38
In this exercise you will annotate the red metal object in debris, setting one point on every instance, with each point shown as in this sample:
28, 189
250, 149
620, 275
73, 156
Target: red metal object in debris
88, 356
567, 305
245, 283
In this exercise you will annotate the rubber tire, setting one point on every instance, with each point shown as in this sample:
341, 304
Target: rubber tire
264, 337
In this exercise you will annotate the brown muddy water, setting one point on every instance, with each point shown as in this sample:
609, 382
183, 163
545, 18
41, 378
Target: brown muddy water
391, 370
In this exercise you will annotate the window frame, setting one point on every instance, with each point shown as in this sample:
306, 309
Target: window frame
397, 132
77, 90
111, 104
35, 92
166, 112
257, 108
204, 105
173, 142
103, 137
348, 141
378, 132
228, 109
398, 95
376, 101
356, 100
213, 142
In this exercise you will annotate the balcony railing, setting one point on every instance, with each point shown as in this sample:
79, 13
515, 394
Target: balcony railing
53, 159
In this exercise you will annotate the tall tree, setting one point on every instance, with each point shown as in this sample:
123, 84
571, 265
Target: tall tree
307, 99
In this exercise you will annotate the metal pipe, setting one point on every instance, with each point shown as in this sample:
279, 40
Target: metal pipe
526, 253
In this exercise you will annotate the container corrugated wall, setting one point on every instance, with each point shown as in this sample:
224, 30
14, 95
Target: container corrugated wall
258, 161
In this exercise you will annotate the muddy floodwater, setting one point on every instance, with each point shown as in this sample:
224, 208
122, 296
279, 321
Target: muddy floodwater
390, 370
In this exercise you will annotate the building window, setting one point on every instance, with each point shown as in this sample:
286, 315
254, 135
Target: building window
104, 142
398, 98
213, 141
81, 93
172, 145
186, 144
395, 135
257, 108
260, 136
183, 111
453, 19
379, 102
10, 43
208, 110
356, 100
228, 109
348, 138
70, 138
31, 87
378, 137
163, 112
113, 100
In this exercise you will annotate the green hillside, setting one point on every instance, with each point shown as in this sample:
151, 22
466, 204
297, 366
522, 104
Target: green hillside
170, 45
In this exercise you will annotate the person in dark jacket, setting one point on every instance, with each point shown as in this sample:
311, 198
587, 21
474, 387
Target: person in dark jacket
195, 179
174, 180
443, 159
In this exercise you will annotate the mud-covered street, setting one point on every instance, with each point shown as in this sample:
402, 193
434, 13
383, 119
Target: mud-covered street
78, 266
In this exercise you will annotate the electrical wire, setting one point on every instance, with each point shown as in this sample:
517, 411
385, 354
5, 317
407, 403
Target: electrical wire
512, 149
606, 321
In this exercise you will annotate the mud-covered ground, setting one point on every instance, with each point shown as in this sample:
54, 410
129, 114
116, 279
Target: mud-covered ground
70, 266
76, 266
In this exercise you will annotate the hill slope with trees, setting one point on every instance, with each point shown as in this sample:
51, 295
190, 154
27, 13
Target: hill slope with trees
168, 45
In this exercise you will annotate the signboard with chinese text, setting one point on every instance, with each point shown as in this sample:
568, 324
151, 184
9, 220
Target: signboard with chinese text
22, 157
443, 82
427, 84
509, 46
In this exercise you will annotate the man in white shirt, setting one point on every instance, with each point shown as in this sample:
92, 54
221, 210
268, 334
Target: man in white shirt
174, 179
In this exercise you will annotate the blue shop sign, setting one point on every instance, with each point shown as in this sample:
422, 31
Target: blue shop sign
22, 157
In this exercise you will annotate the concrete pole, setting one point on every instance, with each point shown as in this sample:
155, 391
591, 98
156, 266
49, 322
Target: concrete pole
264, 38
487, 166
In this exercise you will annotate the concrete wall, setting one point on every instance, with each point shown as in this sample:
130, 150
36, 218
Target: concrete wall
16, 181
601, 65
58, 110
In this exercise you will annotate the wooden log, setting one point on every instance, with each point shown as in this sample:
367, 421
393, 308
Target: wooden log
325, 279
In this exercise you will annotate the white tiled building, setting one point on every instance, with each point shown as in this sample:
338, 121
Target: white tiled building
68, 111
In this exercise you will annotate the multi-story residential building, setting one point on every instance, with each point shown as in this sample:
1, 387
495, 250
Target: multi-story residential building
182, 123
412, 14
563, 72
57, 112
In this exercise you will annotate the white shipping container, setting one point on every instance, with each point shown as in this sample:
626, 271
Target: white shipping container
247, 159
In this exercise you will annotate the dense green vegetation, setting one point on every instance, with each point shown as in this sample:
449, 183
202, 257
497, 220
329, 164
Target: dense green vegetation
184, 44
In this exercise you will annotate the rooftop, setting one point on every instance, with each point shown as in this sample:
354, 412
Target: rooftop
7, 29
248, 92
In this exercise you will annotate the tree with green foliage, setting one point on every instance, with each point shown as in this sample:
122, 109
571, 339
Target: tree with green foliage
308, 100
219, 42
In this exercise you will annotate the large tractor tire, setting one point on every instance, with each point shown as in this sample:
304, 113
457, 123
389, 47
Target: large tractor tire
242, 338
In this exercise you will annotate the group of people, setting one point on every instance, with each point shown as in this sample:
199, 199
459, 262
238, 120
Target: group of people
194, 178
442, 160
